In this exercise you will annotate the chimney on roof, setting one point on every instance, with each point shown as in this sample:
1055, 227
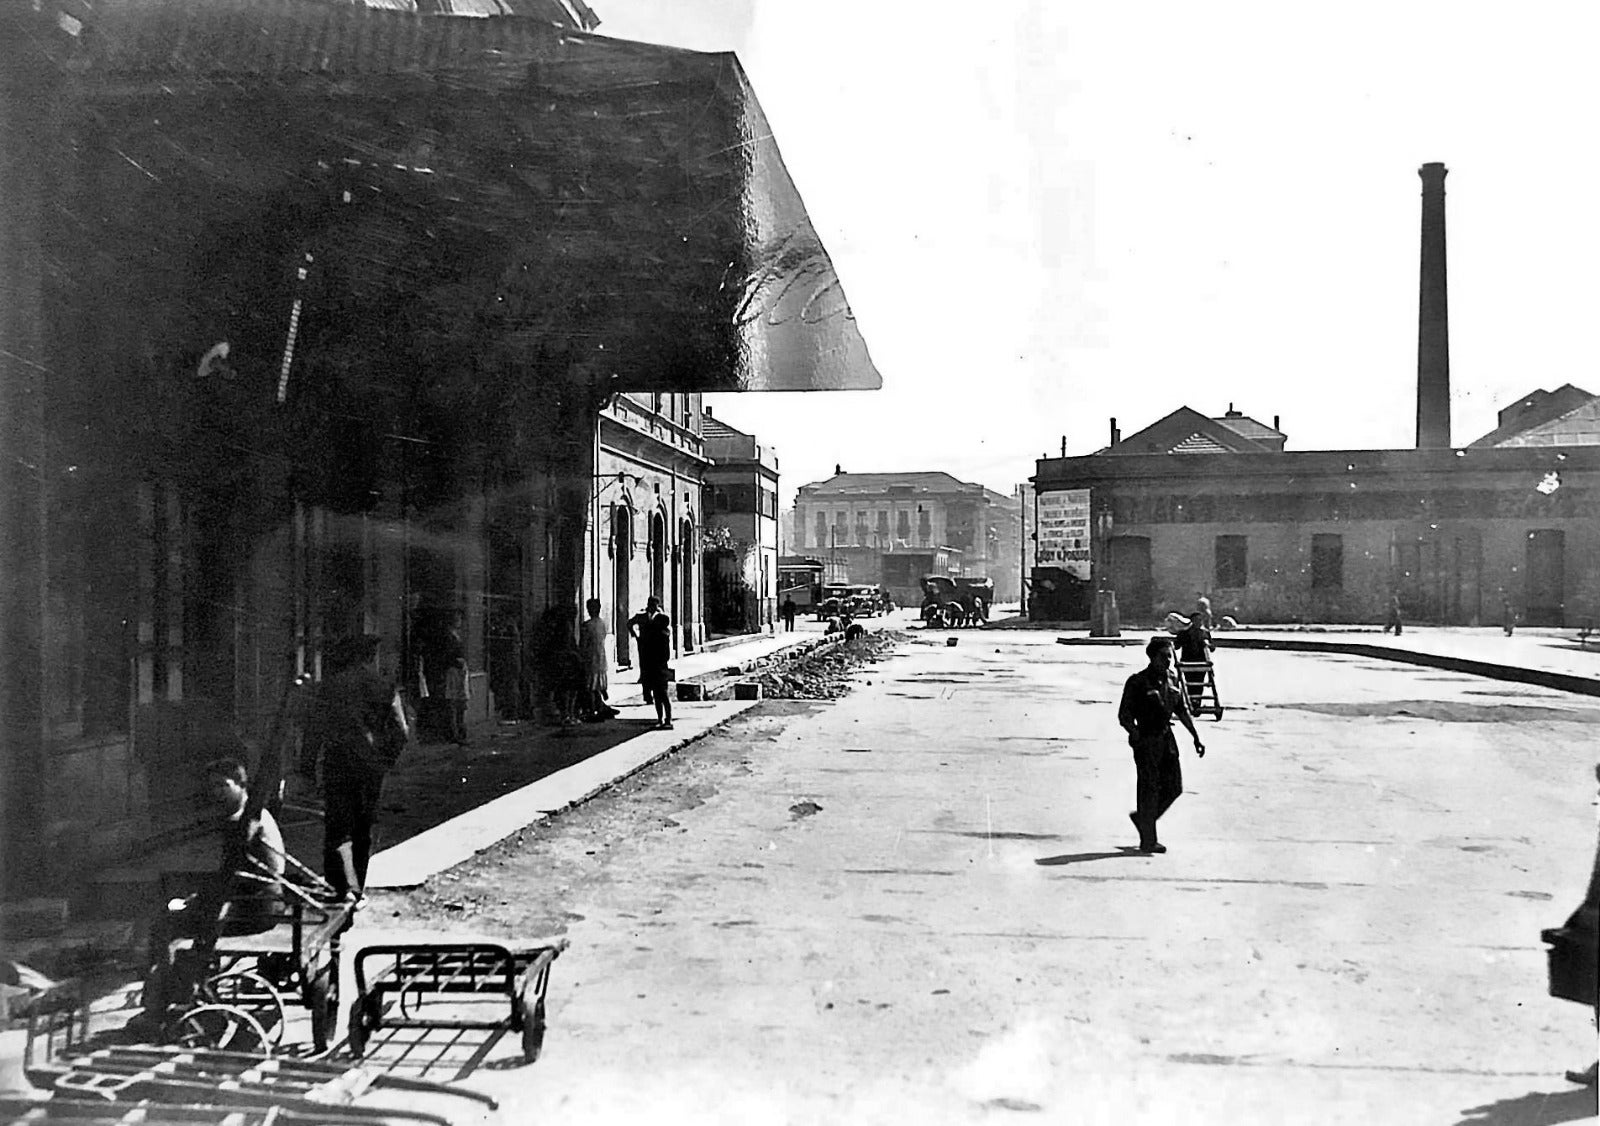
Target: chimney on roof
1275, 425
1116, 435
837, 472
1433, 319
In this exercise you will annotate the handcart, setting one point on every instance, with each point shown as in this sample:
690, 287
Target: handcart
196, 1078
248, 982
453, 985
1200, 682
153, 1084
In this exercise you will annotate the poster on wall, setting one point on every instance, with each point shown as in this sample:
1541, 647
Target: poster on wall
1064, 531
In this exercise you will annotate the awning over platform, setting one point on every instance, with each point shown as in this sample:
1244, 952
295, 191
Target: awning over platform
502, 193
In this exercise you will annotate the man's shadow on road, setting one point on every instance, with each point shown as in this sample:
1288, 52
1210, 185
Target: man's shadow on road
1084, 857
1537, 1108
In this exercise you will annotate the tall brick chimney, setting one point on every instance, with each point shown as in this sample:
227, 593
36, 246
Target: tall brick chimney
1433, 321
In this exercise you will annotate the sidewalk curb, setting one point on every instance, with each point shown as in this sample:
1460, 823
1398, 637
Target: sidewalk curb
417, 859
1559, 681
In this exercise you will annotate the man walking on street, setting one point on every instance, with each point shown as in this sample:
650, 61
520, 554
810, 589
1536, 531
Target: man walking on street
653, 631
359, 727
1151, 699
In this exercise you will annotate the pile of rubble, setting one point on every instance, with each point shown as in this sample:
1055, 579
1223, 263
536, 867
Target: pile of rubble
826, 675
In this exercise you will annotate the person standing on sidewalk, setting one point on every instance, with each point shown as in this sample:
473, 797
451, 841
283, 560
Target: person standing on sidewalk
788, 611
359, 728
457, 687
1394, 622
1151, 699
596, 673
653, 631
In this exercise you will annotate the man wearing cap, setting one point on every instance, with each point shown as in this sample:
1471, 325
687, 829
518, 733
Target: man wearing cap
1151, 699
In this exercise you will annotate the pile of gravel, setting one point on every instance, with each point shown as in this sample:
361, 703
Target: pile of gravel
826, 676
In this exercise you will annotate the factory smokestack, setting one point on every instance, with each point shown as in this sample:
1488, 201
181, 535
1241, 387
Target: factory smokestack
1433, 320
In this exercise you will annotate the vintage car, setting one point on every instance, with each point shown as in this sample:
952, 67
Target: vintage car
956, 602
835, 600
865, 601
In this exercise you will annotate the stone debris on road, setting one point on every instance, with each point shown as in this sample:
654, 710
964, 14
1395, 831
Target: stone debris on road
827, 675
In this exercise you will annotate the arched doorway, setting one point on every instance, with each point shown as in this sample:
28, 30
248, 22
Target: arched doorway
621, 555
686, 556
658, 556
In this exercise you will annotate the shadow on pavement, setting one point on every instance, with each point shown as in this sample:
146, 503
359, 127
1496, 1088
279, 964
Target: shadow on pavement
1082, 857
1536, 1108
437, 781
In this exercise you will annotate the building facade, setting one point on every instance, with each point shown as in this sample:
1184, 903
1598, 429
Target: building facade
742, 542
1462, 536
645, 524
863, 516
364, 382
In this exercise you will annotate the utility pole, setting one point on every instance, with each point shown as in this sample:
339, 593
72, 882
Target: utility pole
1022, 548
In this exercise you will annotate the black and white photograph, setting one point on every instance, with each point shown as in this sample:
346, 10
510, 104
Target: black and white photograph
790, 563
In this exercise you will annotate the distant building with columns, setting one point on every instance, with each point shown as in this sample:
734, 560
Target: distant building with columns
860, 518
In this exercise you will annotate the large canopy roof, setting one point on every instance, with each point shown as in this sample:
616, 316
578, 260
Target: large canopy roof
509, 192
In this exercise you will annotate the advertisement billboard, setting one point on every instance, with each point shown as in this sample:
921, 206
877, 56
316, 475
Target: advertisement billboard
1064, 531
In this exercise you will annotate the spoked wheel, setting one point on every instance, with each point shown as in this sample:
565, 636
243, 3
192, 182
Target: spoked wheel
222, 1027
251, 993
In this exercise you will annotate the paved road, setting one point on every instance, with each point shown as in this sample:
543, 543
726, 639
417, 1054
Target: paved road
1345, 930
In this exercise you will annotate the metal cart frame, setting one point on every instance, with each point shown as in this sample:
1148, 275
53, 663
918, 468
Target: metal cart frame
397, 984
1199, 680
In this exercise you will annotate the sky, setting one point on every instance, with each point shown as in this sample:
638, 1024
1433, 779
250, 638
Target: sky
1048, 213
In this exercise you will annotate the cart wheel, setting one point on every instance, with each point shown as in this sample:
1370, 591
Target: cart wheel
532, 1029
252, 993
222, 1027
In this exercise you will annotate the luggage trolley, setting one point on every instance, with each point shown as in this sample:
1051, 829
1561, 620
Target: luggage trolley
246, 983
444, 985
1200, 682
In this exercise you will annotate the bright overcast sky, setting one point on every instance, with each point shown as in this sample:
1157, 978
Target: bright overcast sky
1048, 213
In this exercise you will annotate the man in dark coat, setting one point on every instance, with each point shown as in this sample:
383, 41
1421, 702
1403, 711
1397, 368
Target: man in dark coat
1151, 699
359, 728
653, 630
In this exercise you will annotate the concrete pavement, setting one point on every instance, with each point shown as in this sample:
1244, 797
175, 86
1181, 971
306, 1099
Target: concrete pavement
1548, 657
918, 904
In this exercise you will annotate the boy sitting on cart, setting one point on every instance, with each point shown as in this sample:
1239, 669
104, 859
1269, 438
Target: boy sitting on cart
241, 897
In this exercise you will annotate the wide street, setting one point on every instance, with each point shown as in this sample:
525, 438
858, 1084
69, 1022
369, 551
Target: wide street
919, 904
